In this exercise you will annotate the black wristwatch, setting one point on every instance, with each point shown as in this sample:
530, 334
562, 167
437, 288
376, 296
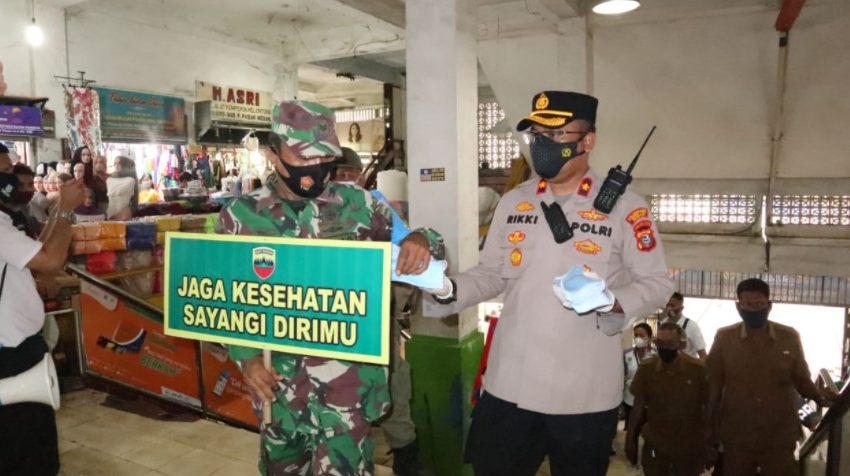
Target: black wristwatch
452, 297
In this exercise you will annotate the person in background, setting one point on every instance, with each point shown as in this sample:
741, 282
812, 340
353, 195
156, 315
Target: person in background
756, 368
185, 178
89, 210
122, 190
348, 167
17, 208
642, 349
28, 437
98, 182
83, 156
693, 334
51, 185
671, 393
80, 172
355, 138
38, 184
147, 193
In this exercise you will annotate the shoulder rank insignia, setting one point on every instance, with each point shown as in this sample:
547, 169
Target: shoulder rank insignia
524, 207
635, 215
587, 247
585, 186
592, 215
541, 186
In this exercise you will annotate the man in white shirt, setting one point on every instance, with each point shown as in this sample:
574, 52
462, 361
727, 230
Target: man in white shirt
696, 343
28, 440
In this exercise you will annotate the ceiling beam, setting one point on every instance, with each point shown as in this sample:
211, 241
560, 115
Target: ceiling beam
788, 14
366, 68
388, 11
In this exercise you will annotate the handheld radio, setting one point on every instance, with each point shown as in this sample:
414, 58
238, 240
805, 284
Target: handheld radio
616, 182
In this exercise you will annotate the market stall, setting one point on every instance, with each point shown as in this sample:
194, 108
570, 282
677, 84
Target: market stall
119, 321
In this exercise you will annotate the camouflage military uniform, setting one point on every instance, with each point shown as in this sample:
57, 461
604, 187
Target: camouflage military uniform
320, 422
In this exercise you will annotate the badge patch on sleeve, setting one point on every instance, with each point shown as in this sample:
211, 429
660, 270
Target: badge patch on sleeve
524, 207
587, 247
516, 257
592, 215
516, 237
636, 215
645, 239
585, 186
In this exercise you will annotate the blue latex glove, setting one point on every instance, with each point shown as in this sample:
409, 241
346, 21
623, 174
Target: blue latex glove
433, 278
583, 291
400, 228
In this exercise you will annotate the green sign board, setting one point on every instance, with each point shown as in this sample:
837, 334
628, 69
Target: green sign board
322, 298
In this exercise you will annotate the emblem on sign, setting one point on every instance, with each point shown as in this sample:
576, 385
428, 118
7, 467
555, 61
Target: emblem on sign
516, 237
264, 262
542, 102
587, 247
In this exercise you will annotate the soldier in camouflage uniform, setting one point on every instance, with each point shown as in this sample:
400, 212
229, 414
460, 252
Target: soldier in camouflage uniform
322, 408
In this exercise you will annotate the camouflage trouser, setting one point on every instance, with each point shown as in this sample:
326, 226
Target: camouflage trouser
398, 427
304, 454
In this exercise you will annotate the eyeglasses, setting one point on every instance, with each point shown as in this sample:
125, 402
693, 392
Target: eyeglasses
554, 134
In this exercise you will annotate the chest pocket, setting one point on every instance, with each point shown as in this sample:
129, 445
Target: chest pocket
591, 252
517, 251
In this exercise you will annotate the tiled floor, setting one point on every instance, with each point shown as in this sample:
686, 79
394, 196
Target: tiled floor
97, 439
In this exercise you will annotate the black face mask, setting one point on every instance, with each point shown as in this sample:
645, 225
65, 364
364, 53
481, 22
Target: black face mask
754, 319
298, 178
667, 355
549, 156
9, 184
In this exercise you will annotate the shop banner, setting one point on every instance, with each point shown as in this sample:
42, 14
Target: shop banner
126, 343
321, 298
22, 121
127, 116
236, 105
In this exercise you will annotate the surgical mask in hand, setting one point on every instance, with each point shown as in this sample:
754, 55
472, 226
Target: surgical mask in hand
585, 291
432, 278
641, 343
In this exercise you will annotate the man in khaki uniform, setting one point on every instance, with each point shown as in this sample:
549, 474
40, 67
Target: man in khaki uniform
555, 378
756, 368
671, 393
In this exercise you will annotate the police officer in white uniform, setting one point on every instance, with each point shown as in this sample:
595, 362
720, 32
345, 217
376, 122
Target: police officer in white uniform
555, 377
28, 439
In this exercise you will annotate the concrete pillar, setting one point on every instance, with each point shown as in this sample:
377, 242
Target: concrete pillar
286, 82
442, 82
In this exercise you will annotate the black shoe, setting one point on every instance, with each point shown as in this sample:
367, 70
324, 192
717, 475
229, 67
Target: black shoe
406, 460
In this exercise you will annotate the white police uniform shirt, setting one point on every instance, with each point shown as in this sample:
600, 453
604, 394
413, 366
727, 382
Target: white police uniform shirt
544, 357
21, 308
632, 361
696, 342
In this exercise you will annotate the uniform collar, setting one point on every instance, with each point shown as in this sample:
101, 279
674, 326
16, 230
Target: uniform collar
677, 366
586, 191
743, 334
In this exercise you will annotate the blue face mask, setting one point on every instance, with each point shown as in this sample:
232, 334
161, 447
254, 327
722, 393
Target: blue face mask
549, 156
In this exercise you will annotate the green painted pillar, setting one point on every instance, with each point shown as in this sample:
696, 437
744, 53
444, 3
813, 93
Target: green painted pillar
442, 373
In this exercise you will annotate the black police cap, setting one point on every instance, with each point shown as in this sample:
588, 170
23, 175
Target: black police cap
556, 108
